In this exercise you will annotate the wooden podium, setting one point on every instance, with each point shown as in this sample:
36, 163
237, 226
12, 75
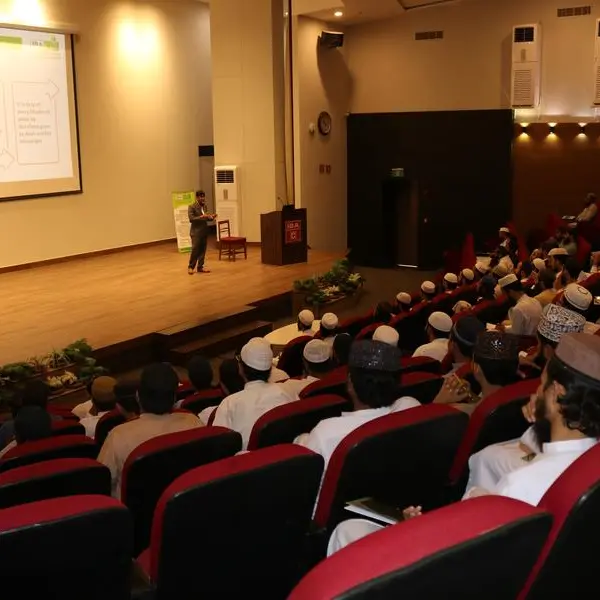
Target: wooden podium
283, 236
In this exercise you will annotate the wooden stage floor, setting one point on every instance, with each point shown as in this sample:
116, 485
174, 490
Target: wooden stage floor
116, 297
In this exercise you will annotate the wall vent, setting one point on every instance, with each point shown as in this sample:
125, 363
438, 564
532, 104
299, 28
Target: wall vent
525, 73
429, 35
225, 176
574, 11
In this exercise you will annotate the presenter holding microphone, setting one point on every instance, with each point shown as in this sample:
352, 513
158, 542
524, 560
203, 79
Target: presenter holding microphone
199, 219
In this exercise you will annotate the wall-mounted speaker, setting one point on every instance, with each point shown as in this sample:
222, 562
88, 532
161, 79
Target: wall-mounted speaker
331, 39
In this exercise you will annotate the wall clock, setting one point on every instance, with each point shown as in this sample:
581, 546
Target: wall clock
324, 123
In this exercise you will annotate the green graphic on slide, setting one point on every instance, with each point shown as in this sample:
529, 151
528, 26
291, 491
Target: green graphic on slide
10, 39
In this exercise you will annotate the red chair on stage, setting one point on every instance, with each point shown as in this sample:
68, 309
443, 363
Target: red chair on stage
230, 245
290, 360
480, 548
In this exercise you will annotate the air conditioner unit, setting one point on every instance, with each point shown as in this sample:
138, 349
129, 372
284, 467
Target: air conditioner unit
526, 66
228, 197
597, 65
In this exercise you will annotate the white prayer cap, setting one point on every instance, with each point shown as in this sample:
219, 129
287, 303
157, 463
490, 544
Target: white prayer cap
461, 306
578, 296
507, 280
387, 335
404, 298
440, 321
257, 354
329, 321
306, 317
317, 351
483, 269
558, 252
468, 274
428, 287
450, 278
500, 270
504, 230
539, 263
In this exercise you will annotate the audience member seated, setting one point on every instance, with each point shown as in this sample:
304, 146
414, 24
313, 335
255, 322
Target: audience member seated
318, 362
480, 270
387, 335
505, 237
103, 401
230, 380
438, 329
341, 349
566, 240
595, 265
126, 400
32, 423
525, 312
463, 337
495, 365
557, 257
329, 327
570, 272
579, 300
539, 264
489, 465
241, 410
383, 313
34, 393
450, 282
499, 271
467, 277
590, 209
373, 379
504, 259
305, 322
200, 373
545, 284
566, 407
403, 302
461, 306
524, 272
486, 288
428, 291
157, 394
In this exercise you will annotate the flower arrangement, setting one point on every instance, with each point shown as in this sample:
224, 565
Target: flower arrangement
70, 367
337, 283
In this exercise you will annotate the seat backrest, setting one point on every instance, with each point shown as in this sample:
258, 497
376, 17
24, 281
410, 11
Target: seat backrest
422, 386
411, 327
62, 446
491, 311
53, 547
283, 424
153, 465
573, 544
476, 549
197, 402
67, 427
422, 364
366, 333
106, 424
333, 383
63, 413
498, 418
468, 293
402, 458
53, 479
354, 325
245, 548
290, 360
442, 302
224, 228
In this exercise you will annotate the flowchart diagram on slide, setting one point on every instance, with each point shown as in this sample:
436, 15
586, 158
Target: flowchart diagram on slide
35, 135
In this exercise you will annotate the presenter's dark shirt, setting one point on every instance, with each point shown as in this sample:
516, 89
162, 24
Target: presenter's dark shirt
200, 226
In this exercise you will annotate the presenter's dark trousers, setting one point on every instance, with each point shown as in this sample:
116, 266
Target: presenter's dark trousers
199, 239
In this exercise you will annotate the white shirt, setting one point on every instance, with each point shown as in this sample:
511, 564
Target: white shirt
81, 411
293, 387
328, 434
436, 349
90, 423
277, 375
240, 411
525, 316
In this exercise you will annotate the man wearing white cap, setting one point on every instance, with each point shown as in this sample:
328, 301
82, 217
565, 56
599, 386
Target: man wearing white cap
306, 319
545, 283
467, 277
480, 270
504, 234
428, 291
557, 257
505, 260
403, 302
387, 335
525, 312
241, 411
317, 361
579, 300
438, 330
539, 264
329, 327
450, 282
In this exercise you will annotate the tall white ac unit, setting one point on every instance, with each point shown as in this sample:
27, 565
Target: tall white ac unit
228, 197
597, 65
526, 66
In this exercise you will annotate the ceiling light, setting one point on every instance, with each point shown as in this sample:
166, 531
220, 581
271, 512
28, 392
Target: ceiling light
338, 13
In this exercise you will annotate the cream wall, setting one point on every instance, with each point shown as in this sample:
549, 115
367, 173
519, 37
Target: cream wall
470, 67
322, 83
144, 97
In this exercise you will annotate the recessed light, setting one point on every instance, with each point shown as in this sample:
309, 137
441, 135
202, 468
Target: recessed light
338, 13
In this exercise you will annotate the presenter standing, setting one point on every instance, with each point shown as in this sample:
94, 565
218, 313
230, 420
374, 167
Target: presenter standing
199, 219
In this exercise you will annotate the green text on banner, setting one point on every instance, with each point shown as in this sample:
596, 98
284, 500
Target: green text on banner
181, 201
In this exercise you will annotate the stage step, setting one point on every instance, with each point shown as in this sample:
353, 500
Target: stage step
222, 342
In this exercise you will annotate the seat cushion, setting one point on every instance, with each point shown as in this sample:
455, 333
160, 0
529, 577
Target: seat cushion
233, 239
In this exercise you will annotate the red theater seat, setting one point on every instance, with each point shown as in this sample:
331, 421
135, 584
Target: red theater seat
402, 459
235, 528
153, 465
67, 427
197, 402
53, 479
573, 544
106, 424
474, 550
290, 360
283, 424
411, 327
490, 311
498, 418
62, 446
68, 548
333, 383
422, 364
422, 386
366, 333
354, 325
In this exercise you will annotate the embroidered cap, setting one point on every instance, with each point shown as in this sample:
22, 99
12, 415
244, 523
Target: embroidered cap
377, 356
495, 345
580, 352
578, 296
557, 321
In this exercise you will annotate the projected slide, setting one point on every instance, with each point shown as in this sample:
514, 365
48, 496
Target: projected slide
38, 128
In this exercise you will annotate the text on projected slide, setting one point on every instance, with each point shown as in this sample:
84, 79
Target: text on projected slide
35, 130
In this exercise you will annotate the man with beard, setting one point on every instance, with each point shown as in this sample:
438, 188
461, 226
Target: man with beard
525, 312
566, 411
